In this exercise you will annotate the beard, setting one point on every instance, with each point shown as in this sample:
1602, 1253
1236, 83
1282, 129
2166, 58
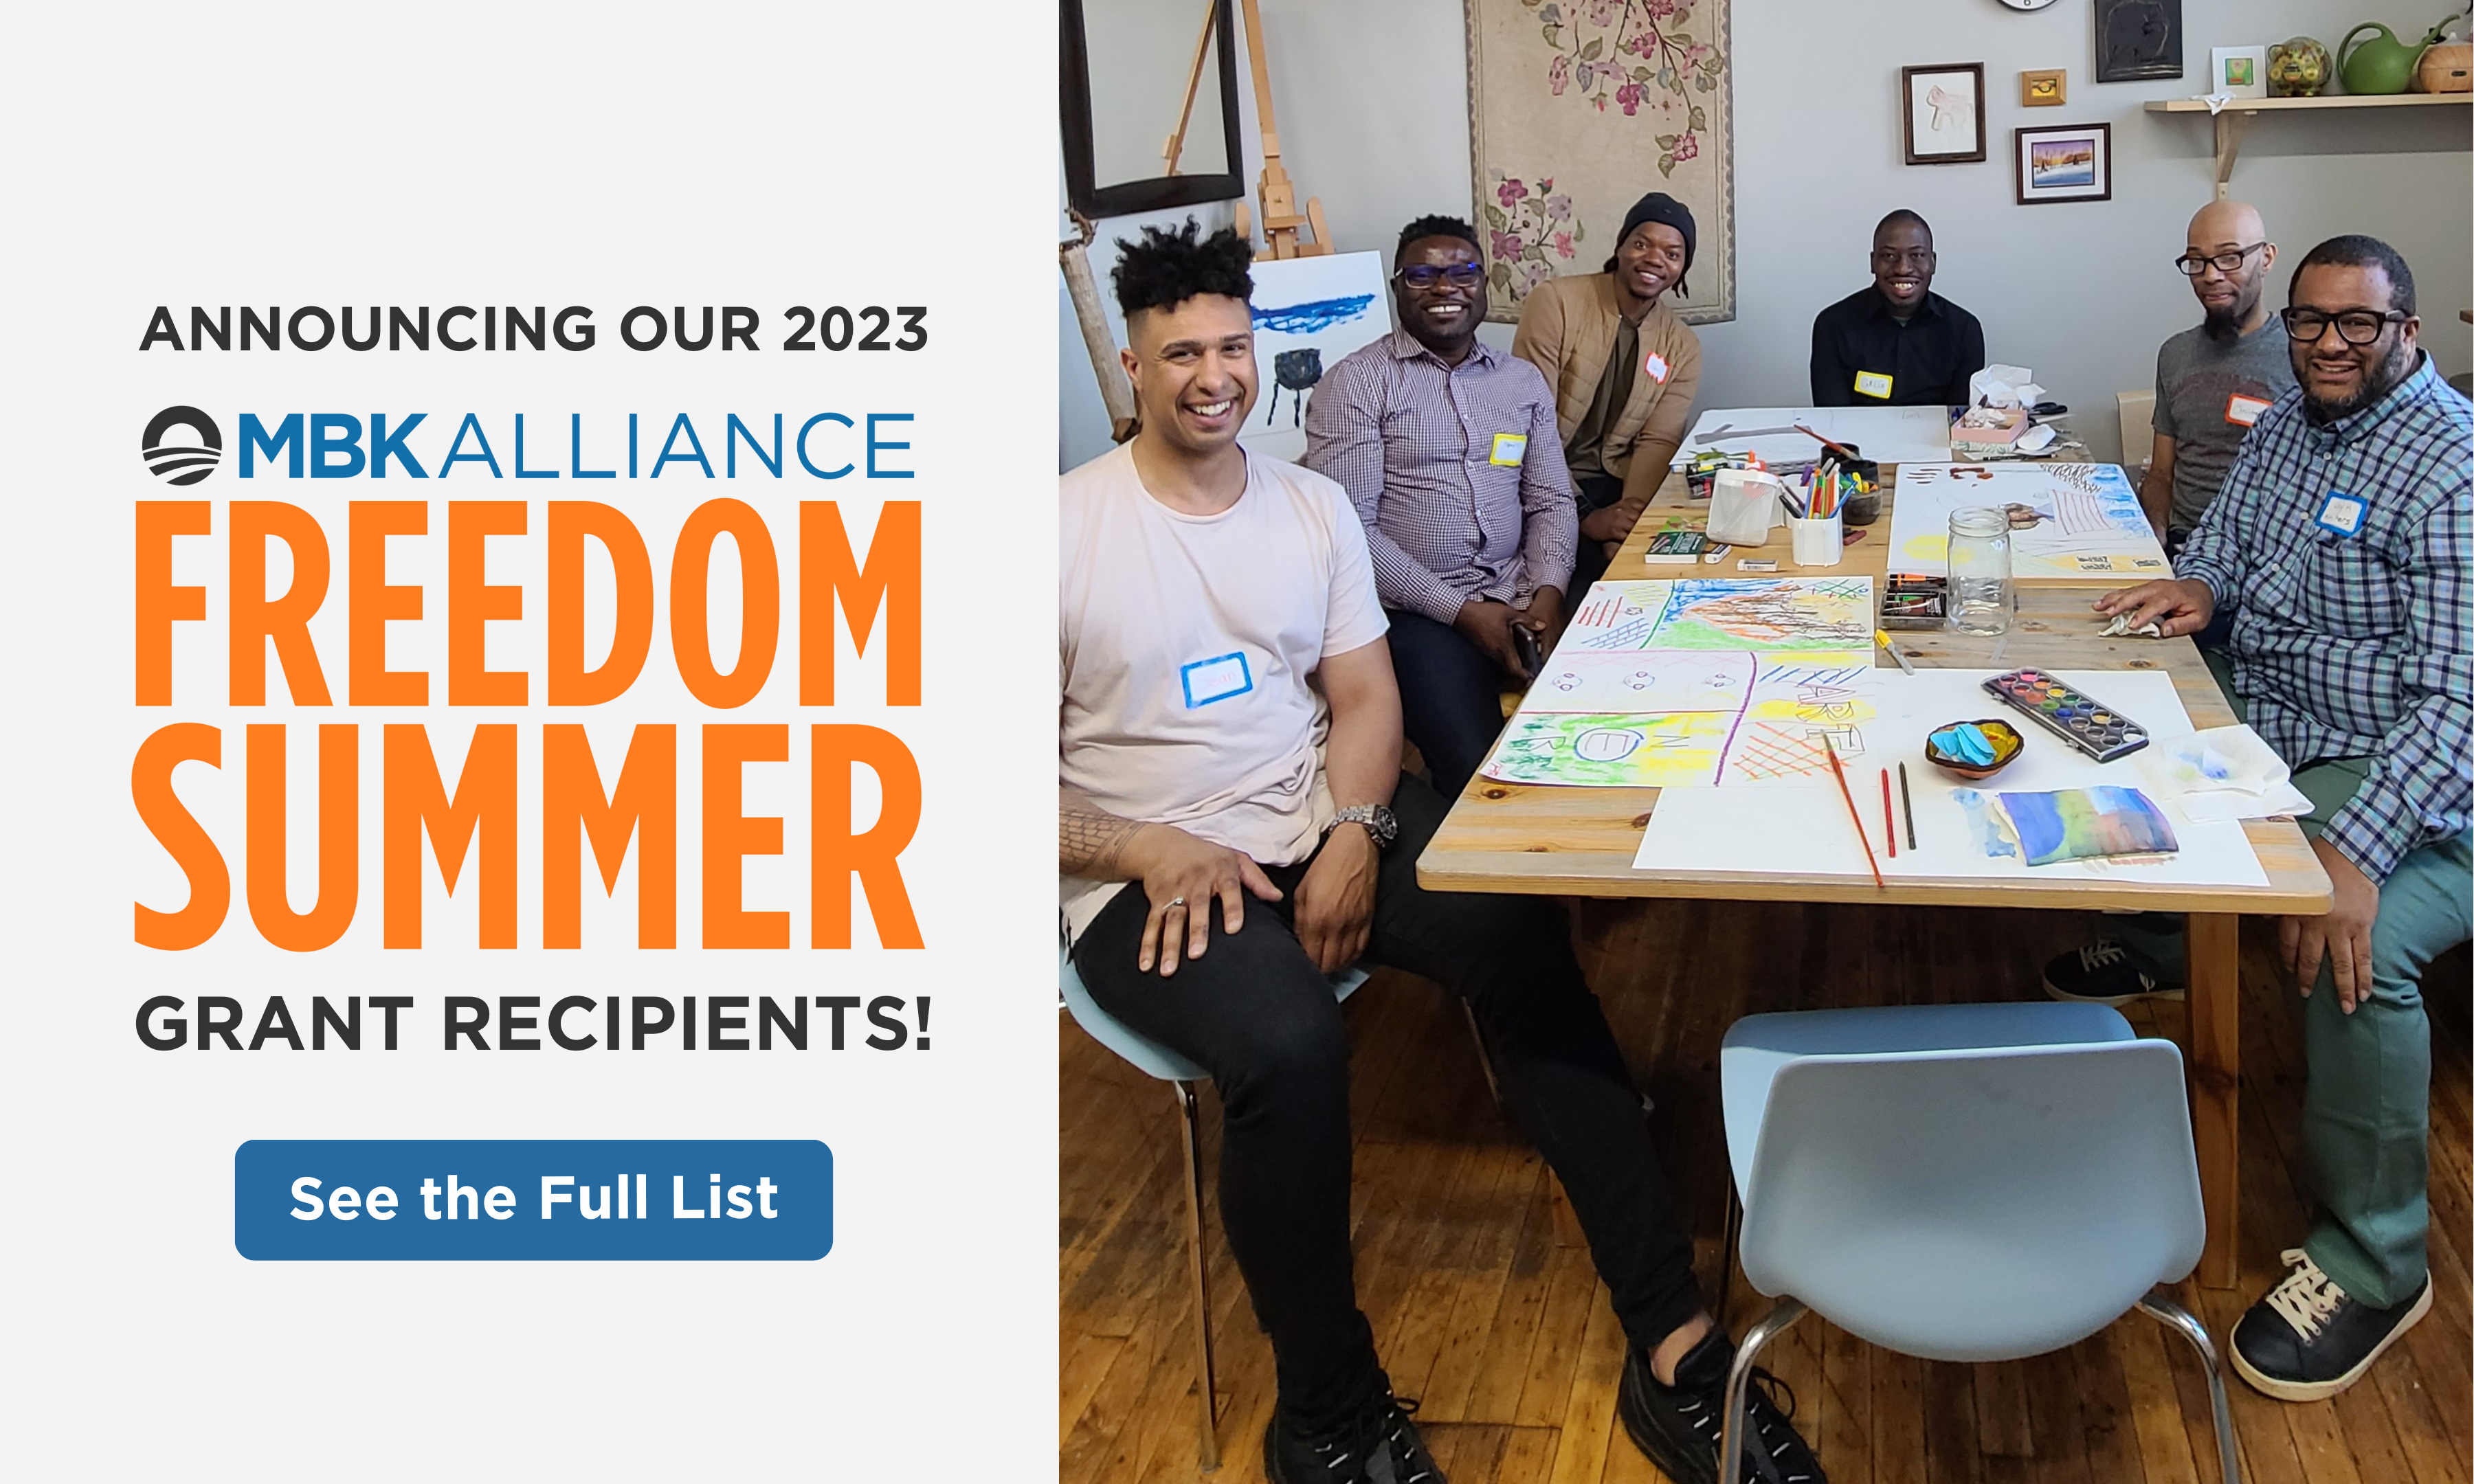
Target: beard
2393, 368
2223, 325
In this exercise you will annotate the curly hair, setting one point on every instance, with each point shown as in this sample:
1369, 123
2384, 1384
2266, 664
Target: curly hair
1435, 226
1167, 268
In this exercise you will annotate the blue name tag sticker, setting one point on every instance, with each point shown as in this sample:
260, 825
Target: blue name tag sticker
2341, 514
1216, 678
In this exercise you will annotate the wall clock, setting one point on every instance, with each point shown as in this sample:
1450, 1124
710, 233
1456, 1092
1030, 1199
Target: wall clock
2026, 5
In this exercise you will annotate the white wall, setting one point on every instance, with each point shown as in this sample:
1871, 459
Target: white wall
1372, 103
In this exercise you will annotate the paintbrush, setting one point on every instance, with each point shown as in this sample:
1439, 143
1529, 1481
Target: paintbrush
1852, 816
1841, 449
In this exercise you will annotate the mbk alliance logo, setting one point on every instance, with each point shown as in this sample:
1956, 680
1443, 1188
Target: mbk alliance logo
183, 459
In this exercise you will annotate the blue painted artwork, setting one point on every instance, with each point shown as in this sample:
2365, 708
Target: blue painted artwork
1315, 317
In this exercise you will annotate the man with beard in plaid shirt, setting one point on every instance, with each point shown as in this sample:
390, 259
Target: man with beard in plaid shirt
2344, 545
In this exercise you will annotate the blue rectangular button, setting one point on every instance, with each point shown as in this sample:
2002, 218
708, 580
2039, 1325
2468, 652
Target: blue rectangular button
547, 1200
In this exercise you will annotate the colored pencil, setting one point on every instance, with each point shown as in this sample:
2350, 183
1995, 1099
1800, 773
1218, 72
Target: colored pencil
1889, 822
1907, 801
1852, 816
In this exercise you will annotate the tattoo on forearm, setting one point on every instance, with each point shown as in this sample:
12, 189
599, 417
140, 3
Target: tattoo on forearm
1089, 841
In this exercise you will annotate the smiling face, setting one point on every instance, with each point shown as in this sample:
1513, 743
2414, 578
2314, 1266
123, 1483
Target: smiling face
1193, 369
1443, 316
1902, 265
2340, 378
1648, 261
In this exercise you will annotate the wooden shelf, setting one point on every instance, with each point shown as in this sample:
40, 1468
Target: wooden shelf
2340, 100
2236, 117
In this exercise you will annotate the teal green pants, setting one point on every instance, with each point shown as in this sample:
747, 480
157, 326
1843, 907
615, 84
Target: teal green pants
2366, 1115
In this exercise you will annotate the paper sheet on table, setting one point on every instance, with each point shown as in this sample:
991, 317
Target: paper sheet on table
2066, 521
1679, 719
1885, 435
2224, 773
1804, 830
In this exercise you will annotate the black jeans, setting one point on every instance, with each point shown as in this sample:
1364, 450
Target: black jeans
1596, 493
1451, 697
1256, 1013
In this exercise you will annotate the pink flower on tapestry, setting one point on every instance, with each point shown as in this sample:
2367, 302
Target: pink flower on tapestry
1528, 231
1630, 53
1687, 148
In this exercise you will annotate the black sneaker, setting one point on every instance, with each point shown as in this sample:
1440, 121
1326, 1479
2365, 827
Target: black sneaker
2104, 972
1379, 1446
1678, 1427
2308, 1340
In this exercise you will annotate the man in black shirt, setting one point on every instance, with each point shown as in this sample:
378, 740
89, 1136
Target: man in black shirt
1895, 344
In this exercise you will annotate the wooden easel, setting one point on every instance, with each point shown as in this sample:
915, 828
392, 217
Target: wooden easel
1279, 198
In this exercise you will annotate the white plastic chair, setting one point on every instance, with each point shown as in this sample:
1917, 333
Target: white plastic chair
1964, 1182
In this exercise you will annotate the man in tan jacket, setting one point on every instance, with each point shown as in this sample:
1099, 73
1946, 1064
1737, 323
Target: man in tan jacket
1624, 367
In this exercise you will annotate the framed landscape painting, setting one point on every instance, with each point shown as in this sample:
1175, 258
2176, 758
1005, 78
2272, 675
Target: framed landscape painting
2068, 162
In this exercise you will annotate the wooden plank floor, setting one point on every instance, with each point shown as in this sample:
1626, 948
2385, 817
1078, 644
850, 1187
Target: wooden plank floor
1506, 1338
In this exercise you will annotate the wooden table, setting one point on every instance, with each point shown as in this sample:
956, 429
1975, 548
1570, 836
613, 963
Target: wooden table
1580, 842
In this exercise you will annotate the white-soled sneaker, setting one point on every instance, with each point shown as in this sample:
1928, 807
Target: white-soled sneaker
2103, 972
2309, 1339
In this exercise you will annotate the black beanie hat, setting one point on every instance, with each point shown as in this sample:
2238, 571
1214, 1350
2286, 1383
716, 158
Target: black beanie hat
1666, 210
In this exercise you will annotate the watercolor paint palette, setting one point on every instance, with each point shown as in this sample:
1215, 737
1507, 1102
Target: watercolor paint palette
2068, 713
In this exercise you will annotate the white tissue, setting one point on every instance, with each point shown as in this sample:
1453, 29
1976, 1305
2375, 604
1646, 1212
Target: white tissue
2224, 773
2003, 386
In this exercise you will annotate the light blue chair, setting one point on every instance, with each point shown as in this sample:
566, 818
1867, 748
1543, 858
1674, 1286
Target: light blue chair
1963, 1183
1181, 1075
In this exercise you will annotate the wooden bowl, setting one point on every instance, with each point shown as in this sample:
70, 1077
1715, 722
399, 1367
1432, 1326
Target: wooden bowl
2007, 742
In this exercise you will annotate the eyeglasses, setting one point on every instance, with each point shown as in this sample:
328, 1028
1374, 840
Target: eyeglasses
1459, 275
2358, 327
2194, 264
1889, 257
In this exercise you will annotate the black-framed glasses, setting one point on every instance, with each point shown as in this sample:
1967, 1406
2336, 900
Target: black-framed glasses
2358, 327
2194, 264
1425, 276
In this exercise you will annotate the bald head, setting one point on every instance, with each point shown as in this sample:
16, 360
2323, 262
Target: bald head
2232, 299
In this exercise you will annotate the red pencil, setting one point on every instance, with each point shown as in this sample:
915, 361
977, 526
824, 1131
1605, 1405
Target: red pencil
1889, 820
1853, 817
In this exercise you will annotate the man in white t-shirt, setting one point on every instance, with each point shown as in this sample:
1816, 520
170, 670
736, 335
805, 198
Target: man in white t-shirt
1228, 758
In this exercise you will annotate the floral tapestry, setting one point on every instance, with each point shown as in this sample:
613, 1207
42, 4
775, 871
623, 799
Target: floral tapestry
1577, 108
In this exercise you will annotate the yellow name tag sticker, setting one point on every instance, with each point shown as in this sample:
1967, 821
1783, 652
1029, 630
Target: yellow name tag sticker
1510, 448
2244, 411
1872, 384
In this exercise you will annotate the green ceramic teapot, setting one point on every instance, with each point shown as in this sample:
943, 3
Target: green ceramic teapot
2383, 64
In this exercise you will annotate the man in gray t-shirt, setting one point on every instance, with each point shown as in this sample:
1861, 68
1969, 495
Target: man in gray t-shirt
2213, 381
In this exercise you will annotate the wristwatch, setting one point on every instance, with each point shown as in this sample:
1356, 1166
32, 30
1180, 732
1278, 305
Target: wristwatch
1382, 826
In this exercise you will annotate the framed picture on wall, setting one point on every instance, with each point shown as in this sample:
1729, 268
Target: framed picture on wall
2237, 71
1944, 112
2046, 89
2068, 162
2138, 40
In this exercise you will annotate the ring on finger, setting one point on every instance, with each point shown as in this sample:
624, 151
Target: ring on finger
1174, 901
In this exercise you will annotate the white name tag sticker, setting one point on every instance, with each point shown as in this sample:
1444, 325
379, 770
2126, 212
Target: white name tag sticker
1216, 678
1872, 384
2244, 411
1510, 448
2341, 514
1656, 368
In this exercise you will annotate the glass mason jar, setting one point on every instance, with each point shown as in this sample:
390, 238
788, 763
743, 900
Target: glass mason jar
1979, 570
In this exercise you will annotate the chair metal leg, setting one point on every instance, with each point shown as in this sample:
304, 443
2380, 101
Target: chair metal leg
2159, 1306
1205, 1380
1740, 1379
1728, 1236
1485, 1062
